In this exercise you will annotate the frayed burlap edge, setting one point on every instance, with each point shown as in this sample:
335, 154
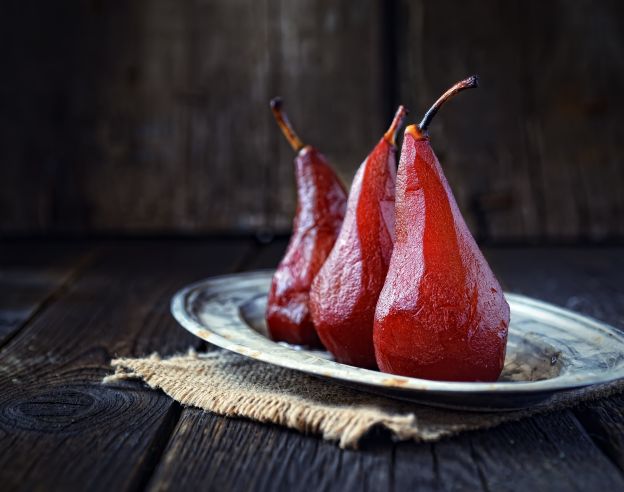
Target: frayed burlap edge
231, 385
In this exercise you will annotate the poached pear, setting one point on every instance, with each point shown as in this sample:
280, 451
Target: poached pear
441, 313
345, 291
321, 203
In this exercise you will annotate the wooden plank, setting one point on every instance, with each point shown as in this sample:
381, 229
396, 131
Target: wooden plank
476, 138
30, 276
183, 115
587, 281
552, 449
60, 427
200, 455
330, 73
533, 153
604, 421
35, 117
129, 102
445, 465
159, 98
153, 115
529, 454
572, 98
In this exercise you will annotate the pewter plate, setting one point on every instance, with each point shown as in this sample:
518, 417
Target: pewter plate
550, 349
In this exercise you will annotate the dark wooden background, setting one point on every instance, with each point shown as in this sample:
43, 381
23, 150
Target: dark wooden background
151, 116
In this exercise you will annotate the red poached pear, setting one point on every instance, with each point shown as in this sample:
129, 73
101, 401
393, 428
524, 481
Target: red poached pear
321, 203
441, 314
345, 291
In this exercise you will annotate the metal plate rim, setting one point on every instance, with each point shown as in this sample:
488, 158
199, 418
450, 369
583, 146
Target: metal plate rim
372, 378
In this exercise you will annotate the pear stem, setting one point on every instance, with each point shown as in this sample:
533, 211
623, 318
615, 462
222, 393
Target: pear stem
397, 122
282, 121
469, 83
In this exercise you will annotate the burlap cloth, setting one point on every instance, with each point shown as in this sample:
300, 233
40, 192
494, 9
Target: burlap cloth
229, 384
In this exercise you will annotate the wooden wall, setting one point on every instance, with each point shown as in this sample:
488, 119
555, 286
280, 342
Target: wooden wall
151, 116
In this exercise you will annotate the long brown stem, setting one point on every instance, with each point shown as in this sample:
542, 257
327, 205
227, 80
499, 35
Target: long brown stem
399, 116
282, 121
469, 83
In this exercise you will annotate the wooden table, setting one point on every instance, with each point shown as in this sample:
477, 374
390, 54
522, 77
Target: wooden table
66, 308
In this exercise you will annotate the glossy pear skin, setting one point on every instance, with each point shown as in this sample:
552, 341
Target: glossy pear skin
320, 212
345, 292
441, 314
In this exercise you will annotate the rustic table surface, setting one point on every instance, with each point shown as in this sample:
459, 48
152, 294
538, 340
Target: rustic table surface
66, 308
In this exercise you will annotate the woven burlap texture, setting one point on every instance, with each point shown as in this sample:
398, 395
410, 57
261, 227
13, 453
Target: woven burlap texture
229, 384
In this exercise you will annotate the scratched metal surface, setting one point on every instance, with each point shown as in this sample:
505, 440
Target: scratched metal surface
550, 349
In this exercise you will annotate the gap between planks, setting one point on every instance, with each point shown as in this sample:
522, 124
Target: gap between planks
66, 281
164, 434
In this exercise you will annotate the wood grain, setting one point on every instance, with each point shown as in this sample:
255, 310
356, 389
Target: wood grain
200, 454
586, 281
534, 152
604, 421
31, 278
330, 74
152, 116
60, 428
553, 449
